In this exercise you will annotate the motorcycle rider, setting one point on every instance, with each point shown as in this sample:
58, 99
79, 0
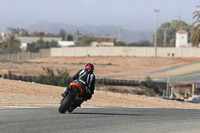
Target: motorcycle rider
85, 78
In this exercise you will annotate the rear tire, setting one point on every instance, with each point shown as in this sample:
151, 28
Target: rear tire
65, 104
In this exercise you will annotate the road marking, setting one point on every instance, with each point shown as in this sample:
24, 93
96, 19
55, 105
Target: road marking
3, 107
23, 107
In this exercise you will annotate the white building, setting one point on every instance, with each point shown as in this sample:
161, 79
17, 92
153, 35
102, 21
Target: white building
2, 36
96, 40
182, 39
65, 43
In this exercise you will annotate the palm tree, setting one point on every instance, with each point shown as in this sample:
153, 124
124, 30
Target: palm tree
196, 29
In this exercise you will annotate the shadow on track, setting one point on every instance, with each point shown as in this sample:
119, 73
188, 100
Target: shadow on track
108, 114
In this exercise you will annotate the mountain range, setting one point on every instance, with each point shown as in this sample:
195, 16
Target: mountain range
127, 36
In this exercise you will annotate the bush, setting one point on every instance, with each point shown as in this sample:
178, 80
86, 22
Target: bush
61, 78
149, 82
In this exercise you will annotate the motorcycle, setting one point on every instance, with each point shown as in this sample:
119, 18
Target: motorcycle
72, 98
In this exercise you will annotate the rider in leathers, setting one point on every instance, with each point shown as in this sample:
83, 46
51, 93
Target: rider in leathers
86, 80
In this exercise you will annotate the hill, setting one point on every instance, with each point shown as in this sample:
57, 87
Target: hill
128, 36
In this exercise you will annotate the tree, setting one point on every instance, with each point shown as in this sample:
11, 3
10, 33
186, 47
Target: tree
196, 30
172, 42
19, 31
63, 34
170, 29
41, 44
120, 43
2, 47
70, 37
12, 45
141, 44
86, 41
41, 34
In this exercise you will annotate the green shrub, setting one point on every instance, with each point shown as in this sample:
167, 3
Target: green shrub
60, 78
149, 82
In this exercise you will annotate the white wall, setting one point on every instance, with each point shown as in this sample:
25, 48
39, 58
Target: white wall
125, 51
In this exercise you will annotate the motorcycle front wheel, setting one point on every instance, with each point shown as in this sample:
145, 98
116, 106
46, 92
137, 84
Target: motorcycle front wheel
65, 103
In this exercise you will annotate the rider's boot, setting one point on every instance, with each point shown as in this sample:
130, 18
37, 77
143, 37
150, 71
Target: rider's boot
65, 93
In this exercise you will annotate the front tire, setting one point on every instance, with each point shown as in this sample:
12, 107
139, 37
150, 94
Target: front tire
65, 104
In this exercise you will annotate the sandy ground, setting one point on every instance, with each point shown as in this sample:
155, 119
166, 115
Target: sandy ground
129, 68
18, 93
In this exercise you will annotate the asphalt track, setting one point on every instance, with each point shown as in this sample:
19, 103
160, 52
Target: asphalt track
187, 78
99, 120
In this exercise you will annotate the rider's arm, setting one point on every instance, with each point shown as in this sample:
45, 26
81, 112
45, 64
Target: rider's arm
76, 75
92, 86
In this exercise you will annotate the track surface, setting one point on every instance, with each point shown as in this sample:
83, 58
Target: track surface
183, 79
99, 120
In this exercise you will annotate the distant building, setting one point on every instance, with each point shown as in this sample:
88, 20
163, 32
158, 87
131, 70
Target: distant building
65, 43
182, 39
96, 41
2, 36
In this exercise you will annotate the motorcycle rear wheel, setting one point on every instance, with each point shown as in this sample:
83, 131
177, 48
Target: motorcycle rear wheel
65, 104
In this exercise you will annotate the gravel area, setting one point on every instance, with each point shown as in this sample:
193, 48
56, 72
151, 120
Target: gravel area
18, 93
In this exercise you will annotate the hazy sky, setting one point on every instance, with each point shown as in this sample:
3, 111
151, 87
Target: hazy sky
137, 15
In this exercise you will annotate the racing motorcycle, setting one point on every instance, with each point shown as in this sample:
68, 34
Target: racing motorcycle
72, 98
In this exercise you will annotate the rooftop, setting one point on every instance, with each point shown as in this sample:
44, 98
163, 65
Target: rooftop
97, 38
182, 32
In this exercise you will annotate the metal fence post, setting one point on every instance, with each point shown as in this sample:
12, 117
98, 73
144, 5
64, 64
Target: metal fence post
8, 57
29, 55
19, 57
40, 54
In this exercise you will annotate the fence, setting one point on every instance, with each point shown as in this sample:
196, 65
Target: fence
103, 51
43, 53
104, 81
17, 77
134, 83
